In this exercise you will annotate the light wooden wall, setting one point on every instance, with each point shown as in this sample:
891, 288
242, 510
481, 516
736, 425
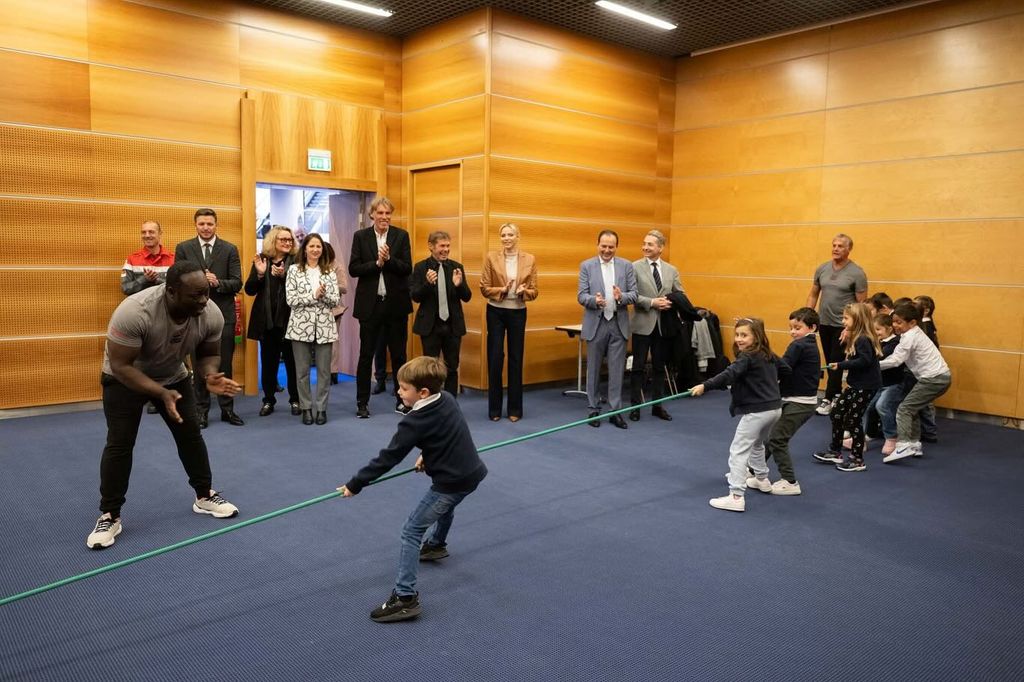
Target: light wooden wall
112, 112
902, 130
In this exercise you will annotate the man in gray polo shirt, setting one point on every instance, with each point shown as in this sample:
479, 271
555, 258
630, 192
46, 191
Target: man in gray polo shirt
149, 336
838, 282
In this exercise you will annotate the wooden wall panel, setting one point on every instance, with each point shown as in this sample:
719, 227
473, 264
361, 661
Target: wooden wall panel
57, 163
44, 91
735, 296
518, 187
393, 134
221, 10
539, 73
761, 53
966, 122
443, 75
86, 301
312, 69
968, 56
977, 187
448, 131
769, 198
1019, 413
150, 105
473, 186
30, 226
983, 381
471, 251
71, 374
556, 304
532, 131
52, 28
769, 144
549, 355
436, 193
532, 31
915, 20
331, 33
124, 33
790, 87
967, 252
286, 126
446, 34
741, 250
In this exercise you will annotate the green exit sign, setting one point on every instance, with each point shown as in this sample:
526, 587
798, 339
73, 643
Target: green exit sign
318, 159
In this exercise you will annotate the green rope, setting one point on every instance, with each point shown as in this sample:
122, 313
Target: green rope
301, 505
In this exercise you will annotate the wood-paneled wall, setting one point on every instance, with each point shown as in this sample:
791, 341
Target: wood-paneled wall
901, 130
112, 112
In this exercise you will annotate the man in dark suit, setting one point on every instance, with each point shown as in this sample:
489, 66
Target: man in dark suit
219, 260
381, 260
438, 284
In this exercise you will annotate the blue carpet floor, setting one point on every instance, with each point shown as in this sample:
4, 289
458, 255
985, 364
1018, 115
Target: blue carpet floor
589, 554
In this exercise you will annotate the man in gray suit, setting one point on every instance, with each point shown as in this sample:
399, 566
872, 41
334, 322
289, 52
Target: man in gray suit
607, 285
219, 260
654, 322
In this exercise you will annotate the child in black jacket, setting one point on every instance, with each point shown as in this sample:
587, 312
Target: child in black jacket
437, 427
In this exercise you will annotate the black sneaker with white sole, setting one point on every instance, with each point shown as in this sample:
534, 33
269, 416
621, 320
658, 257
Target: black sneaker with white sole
397, 608
103, 533
852, 464
828, 456
430, 552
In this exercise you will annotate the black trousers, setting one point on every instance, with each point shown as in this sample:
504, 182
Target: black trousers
394, 331
122, 408
657, 346
273, 345
848, 415
833, 351
227, 353
441, 343
380, 357
502, 324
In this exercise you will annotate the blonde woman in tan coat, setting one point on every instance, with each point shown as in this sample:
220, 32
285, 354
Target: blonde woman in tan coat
508, 281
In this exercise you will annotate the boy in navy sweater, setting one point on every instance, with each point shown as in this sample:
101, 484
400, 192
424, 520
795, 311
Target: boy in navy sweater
799, 389
437, 427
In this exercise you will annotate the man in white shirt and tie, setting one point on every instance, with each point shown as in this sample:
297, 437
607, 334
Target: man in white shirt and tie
438, 284
652, 331
606, 287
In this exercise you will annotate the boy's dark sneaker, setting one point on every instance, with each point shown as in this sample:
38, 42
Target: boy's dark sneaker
397, 608
430, 552
928, 438
828, 456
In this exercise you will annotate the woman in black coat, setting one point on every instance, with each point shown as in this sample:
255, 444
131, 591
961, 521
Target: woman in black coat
269, 316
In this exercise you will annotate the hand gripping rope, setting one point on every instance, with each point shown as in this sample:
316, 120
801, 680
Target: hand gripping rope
307, 503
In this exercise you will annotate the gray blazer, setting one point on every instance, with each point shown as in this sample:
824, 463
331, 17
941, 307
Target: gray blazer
644, 319
591, 283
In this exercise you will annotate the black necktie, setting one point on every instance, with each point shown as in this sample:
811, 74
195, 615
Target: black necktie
206, 254
657, 276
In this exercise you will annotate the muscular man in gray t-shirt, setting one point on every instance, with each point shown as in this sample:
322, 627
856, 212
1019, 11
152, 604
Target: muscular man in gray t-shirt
838, 282
149, 336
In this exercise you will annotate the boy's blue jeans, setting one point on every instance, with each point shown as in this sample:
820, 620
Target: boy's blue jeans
435, 509
885, 403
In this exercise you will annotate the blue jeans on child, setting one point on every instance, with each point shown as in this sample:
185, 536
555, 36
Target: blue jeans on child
435, 509
885, 403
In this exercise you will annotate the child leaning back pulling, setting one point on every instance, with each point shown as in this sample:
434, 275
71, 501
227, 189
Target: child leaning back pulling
754, 379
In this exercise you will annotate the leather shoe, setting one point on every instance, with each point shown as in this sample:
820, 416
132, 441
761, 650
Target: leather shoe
596, 422
307, 417
362, 412
660, 413
203, 419
617, 420
379, 387
266, 409
296, 410
321, 418
634, 415
230, 417
334, 378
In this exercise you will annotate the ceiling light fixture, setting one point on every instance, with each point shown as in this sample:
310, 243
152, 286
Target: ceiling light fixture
633, 14
359, 7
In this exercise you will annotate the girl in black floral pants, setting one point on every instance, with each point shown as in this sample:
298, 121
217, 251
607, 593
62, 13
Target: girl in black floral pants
863, 379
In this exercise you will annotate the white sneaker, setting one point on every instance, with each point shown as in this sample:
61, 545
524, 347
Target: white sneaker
215, 506
104, 532
824, 408
729, 503
904, 448
762, 484
784, 487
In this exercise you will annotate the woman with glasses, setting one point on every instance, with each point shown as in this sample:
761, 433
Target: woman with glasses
268, 319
